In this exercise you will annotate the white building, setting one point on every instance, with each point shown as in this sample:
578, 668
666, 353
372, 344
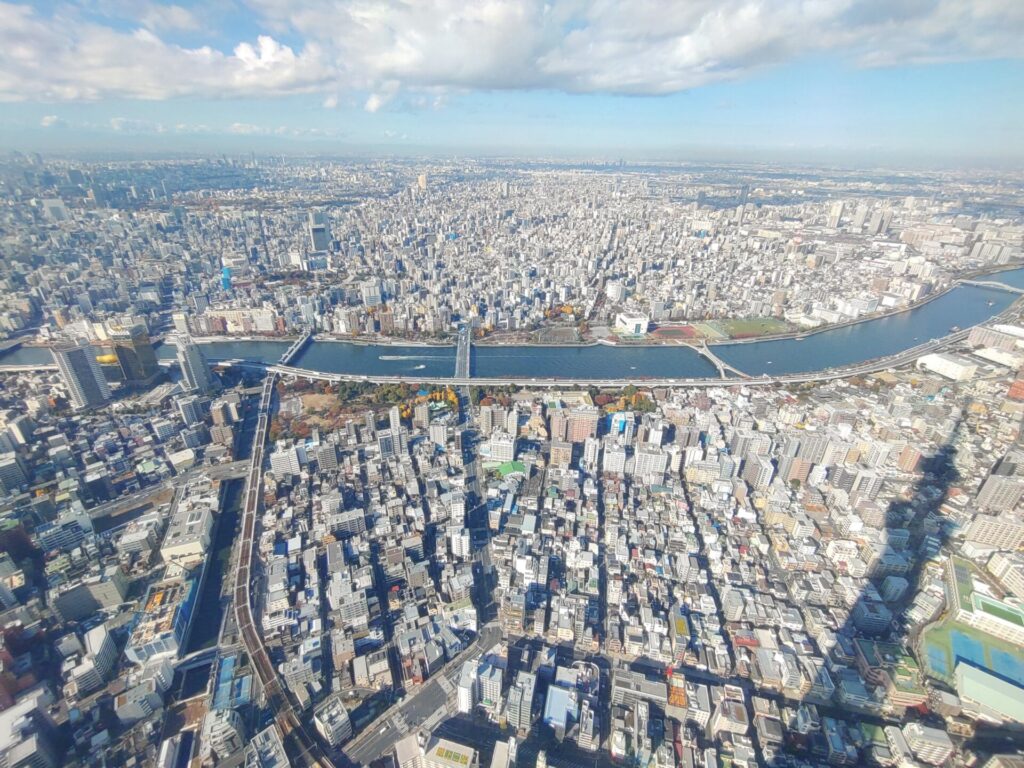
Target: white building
632, 323
467, 688
930, 745
189, 531
332, 721
502, 446
953, 367
224, 732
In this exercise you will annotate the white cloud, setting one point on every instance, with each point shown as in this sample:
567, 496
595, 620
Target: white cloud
63, 58
382, 48
49, 121
246, 129
167, 17
131, 125
636, 47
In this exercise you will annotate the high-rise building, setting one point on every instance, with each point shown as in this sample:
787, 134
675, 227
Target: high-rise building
996, 532
195, 372
559, 424
319, 232
438, 434
520, 701
582, 423
421, 416
486, 420
399, 434
134, 353
224, 731
13, 473
614, 459
1002, 489
650, 462
503, 446
561, 453
859, 216
76, 361
386, 443
467, 688
332, 721
489, 682
192, 409
835, 214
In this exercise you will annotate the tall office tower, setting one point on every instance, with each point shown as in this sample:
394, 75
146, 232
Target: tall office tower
195, 372
192, 409
386, 443
400, 435
319, 231
835, 214
879, 223
519, 708
859, 216
135, 354
886, 220
875, 223
422, 182
81, 373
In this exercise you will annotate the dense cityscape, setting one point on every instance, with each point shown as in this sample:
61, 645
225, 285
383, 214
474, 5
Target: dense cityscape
217, 548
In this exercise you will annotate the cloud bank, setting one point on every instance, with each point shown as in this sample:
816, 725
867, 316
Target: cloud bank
381, 48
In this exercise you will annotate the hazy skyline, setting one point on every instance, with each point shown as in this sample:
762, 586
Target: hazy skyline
915, 81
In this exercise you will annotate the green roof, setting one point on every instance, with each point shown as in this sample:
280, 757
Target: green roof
510, 467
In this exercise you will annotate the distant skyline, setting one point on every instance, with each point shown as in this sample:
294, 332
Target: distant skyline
918, 82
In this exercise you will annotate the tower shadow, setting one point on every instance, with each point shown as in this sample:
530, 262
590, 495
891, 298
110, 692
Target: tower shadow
874, 645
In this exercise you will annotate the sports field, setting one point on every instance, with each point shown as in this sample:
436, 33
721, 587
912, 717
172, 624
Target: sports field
951, 641
675, 332
750, 327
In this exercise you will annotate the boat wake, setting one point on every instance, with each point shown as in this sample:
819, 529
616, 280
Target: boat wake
403, 357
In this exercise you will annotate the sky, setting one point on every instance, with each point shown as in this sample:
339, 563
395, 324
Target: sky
877, 82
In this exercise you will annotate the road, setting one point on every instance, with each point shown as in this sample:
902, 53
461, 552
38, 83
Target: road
228, 471
302, 746
462, 353
434, 696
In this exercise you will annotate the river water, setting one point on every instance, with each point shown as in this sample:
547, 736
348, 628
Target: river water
963, 307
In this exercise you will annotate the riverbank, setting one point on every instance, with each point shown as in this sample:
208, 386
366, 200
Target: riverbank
964, 306
647, 341
958, 282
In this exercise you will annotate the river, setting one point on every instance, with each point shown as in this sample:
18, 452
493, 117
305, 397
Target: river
964, 306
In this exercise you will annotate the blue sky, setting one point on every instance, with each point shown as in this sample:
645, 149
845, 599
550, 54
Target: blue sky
920, 81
